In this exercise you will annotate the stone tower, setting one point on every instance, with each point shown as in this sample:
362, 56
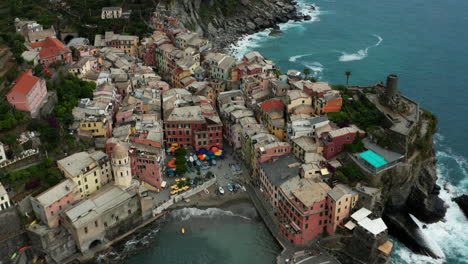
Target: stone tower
121, 166
392, 87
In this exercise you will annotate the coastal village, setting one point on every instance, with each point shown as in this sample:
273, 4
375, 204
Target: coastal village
170, 120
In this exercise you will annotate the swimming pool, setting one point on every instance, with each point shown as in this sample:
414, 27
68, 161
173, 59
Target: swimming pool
373, 158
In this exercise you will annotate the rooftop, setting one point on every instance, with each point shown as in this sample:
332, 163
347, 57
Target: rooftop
56, 192
279, 171
314, 192
25, 83
110, 196
78, 163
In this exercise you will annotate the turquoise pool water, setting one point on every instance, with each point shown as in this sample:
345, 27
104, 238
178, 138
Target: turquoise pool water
373, 158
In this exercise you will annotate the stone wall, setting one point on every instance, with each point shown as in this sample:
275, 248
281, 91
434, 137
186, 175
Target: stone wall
12, 236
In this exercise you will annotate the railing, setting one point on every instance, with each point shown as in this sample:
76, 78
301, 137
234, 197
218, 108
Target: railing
9, 162
177, 198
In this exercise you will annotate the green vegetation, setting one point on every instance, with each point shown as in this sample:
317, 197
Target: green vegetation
181, 161
348, 173
31, 9
15, 42
348, 74
356, 146
182, 183
360, 112
9, 116
424, 143
70, 90
306, 72
43, 175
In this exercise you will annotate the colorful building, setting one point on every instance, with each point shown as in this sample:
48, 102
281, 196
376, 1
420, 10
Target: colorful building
194, 127
52, 50
334, 142
302, 210
28, 93
4, 198
50, 204
90, 171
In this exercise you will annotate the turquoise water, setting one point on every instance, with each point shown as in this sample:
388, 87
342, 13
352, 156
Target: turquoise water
373, 158
425, 43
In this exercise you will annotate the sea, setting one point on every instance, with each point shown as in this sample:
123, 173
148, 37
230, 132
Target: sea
424, 42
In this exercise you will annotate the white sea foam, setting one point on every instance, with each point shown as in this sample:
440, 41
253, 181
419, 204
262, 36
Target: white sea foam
295, 58
449, 236
186, 213
315, 67
250, 42
360, 54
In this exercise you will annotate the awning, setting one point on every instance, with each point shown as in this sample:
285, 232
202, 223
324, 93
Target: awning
163, 184
324, 172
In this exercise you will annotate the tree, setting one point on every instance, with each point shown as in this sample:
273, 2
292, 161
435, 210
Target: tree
306, 72
348, 74
181, 161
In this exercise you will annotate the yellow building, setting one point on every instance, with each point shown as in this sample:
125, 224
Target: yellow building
97, 126
298, 98
90, 171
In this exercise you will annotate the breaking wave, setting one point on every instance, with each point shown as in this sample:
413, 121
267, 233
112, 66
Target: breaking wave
360, 54
449, 236
251, 42
187, 213
294, 58
315, 67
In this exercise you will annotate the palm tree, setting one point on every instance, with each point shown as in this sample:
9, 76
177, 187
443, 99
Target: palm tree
347, 73
306, 72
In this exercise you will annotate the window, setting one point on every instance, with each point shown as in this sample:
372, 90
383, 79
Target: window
320, 222
332, 150
86, 230
337, 218
320, 213
95, 224
339, 210
96, 181
307, 226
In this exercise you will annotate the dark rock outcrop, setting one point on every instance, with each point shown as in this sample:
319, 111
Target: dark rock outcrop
223, 22
462, 201
402, 226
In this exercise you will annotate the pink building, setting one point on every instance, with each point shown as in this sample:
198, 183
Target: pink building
28, 93
147, 166
152, 139
270, 151
147, 163
50, 204
334, 141
273, 174
303, 210
52, 50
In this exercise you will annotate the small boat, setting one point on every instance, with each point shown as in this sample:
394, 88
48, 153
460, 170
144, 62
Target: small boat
206, 191
230, 187
183, 230
221, 190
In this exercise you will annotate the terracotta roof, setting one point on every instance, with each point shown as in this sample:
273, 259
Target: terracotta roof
50, 47
25, 83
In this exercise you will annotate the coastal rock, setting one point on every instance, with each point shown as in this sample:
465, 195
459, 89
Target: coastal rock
402, 226
251, 25
462, 201
223, 26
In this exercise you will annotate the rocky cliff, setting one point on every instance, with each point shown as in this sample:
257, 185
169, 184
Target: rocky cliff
224, 21
411, 189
